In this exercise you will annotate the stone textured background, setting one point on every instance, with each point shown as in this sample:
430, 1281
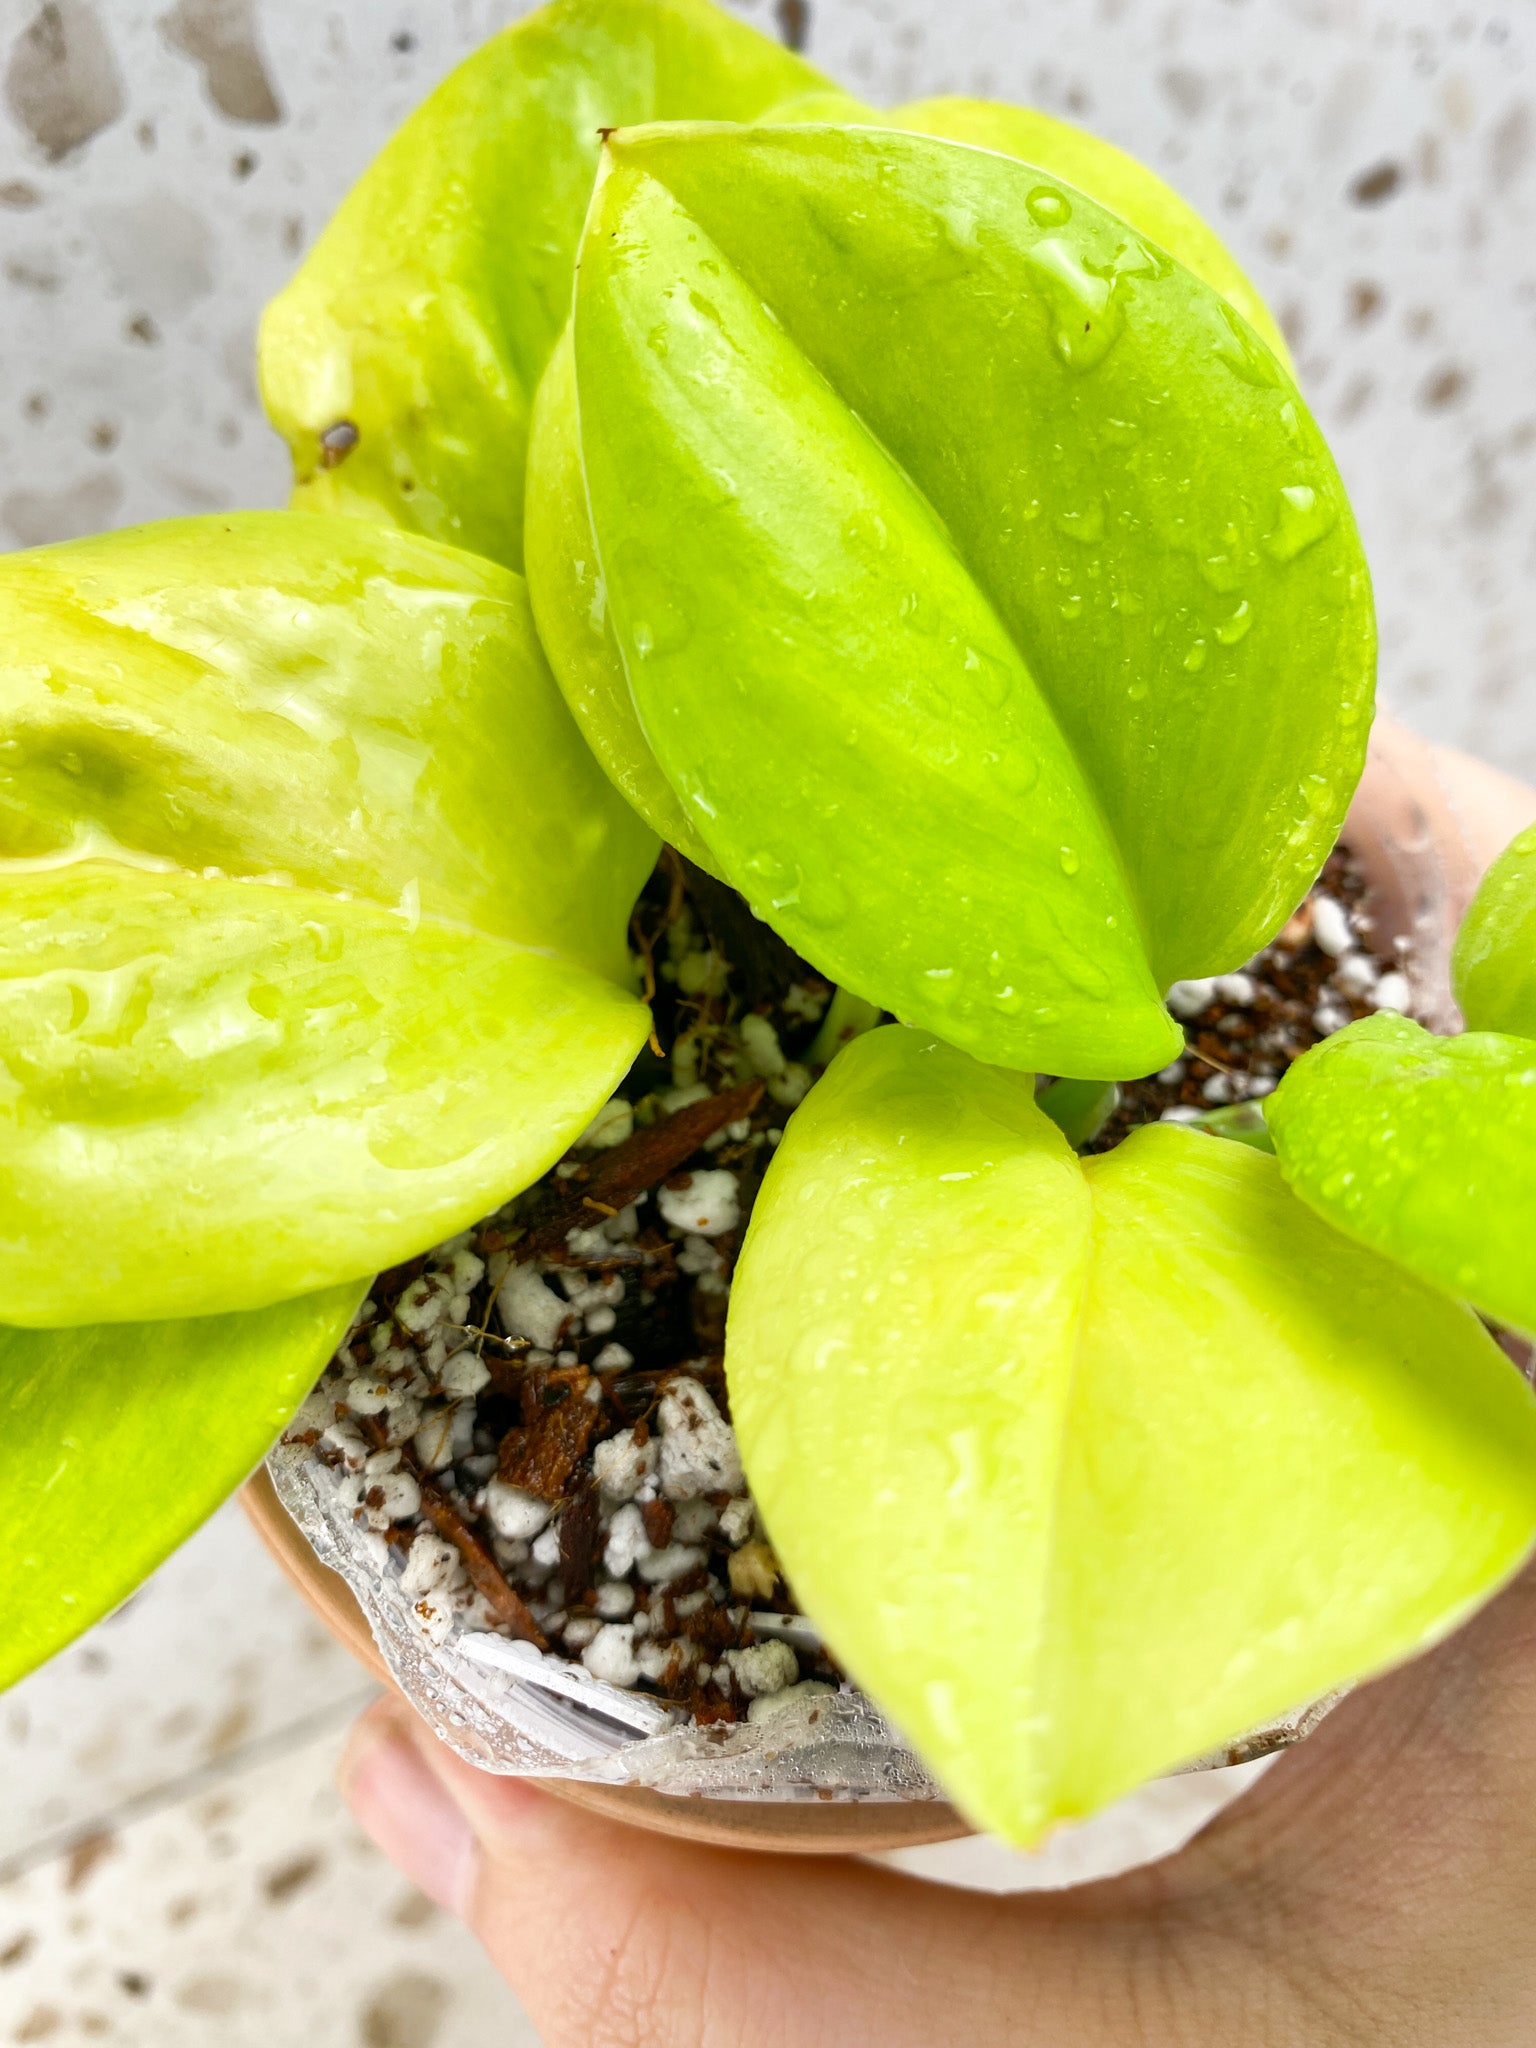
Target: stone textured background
162, 168
173, 1866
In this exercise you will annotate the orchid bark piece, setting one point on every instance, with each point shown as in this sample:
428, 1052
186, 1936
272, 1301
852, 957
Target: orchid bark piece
118, 1443
401, 362
977, 544
1085, 1467
307, 873
1423, 1148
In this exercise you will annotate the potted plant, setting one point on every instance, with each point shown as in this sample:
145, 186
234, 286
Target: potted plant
927, 536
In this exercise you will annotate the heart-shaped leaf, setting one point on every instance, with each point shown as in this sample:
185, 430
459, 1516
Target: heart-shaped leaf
256, 1092
564, 574
1423, 1148
314, 698
1494, 962
1085, 1467
991, 603
400, 362
118, 1442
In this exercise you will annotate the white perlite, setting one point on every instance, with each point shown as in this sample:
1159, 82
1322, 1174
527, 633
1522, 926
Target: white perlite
517, 1517
530, 1309
706, 1203
622, 1466
611, 1654
698, 1446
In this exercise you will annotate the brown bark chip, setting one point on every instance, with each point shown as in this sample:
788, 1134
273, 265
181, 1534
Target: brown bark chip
580, 1543
643, 1161
559, 1423
485, 1575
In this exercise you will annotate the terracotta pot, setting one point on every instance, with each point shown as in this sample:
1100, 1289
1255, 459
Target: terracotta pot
1425, 824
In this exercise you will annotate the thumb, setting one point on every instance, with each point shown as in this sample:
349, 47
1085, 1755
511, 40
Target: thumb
611, 1935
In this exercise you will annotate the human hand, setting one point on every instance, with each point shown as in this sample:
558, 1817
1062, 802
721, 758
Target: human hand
1373, 1888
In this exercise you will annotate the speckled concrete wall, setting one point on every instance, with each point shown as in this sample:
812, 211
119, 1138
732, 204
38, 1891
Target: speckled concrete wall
1373, 161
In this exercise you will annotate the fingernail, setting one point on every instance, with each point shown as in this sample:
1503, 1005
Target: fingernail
402, 1807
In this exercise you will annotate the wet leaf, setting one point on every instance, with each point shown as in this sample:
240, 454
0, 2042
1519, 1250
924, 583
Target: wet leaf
401, 361
975, 554
1494, 963
255, 1092
119, 1441
312, 698
1117, 181
1085, 1467
1423, 1148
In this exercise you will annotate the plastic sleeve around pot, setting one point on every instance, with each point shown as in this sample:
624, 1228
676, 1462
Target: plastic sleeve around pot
993, 1411
920, 684
400, 363
119, 1442
268, 694
254, 1092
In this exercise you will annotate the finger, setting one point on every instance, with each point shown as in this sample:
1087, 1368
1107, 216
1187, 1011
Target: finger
617, 1938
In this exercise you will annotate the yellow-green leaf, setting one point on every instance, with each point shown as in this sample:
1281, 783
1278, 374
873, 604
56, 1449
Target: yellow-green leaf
117, 1442
401, 361
215, 1094
1085, 1467
264, 693
1423, 1148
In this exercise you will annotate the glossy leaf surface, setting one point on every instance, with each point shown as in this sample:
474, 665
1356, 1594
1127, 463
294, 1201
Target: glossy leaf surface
1117, 181
1085, 1467
564, 574
1423, 1148
255, 1092
425, 313
119, 1441
566, 582
977, 548
1494, 962
318, 698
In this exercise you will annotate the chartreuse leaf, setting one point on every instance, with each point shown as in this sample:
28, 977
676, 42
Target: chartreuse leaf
1423, 1148
977, 547
1106, 174
572, 612
1085, 1467
1494, 962
317, 698
563, 569
119, 1441
421, 320
255, 1092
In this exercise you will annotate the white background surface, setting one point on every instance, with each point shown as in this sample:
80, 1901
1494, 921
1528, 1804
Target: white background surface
226, 1897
